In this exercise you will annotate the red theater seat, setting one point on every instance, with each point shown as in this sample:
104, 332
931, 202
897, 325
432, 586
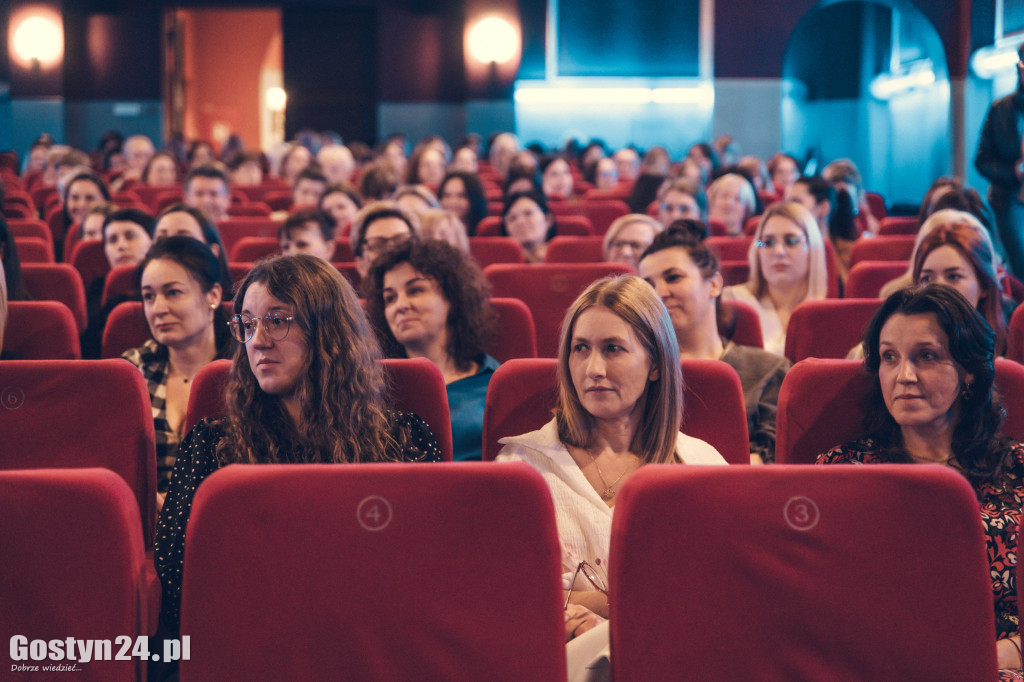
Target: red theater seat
828, 328
73, 566
568, 225
487, 250
233, 229
30, 227
522, 394
747, 327
379, 572
730, 248
869, 276
119, 282
820, 406
416, 386
888, 247
34, 250
697, 552
516, 336
73, 414
57, 282
41, 330
575, 250
548, 289
897, 225
1015, 344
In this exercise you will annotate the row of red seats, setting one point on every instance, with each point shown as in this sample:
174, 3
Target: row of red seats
799, 536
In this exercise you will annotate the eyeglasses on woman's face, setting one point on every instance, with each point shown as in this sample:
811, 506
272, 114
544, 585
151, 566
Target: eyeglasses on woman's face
789, 241
243, 327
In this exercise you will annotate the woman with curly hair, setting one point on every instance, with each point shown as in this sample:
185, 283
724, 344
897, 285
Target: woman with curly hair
930, 355
305, 387
428, 300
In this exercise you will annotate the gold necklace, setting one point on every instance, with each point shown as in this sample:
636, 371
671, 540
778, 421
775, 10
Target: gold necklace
608, 493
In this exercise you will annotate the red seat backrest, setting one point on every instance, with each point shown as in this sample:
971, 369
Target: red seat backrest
522, 394
603, 212
898, 225
17, 211
443, 522
57, 282
417, 386
734, 271
730, 248
515, 336
41, 330
487, 250
90, 259
548, 289
747, 328
887, 247
73, 414
876, 202
34, 250
1015, 344
569, 224
73, 563
588, 249
869, 276
828, 328
233, 229
257, 209
822, 541
30, 227
120, 281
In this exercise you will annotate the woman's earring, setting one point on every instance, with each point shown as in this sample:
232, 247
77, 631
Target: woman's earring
213, 306
967, 393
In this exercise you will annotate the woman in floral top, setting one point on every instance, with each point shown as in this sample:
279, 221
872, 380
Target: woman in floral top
933, 355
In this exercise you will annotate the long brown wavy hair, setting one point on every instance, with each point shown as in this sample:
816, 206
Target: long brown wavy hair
343, 416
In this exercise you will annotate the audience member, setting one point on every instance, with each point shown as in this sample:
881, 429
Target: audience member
527, 219
310, 185
340, 203
444, 226
206, 188
465, 160
305, 387
13, 282
556, 178
787, 267
932, 400
378, 182
415, 198
846, 178
620, 407
462, 193
427, 300
92, 225
307, 231
337, 163
294, 159
627, 164
426, 167
138, 150
182, 220
629, 236
784, 171
127, 236
377, 227
684, 273
502, 148
161, 171
181, 289
681, 198
731, 200
199, 153
82, 191
245, 169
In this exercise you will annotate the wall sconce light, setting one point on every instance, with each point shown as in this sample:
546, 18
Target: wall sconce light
493, 41
277, 98
995, 60
38, 39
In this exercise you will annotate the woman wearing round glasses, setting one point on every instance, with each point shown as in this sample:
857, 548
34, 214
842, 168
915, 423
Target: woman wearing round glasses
620, 406
787, 267
628, 237
181, 294
305, 387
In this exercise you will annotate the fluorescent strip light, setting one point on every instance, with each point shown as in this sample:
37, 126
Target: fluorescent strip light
571, 95
989, 62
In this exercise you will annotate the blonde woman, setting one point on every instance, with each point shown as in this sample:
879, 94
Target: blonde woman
628, 237
731, 201
787, 267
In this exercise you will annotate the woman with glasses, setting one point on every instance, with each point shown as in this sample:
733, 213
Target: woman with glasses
181, 295
620, 405
684, 273
628, 237
305, 387
787, 267
377, 227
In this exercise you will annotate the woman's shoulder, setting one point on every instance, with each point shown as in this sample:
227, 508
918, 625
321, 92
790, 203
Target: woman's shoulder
752, 356
543, 443
696, 451
412, 430
143, 355
863, 451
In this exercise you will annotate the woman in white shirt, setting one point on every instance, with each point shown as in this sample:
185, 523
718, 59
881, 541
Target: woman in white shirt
787, 267
620, 406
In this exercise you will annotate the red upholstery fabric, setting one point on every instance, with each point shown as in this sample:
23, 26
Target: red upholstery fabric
516, 336
233, 229
1015, 344
416, 385
251, 249
747, 330
16, 211
41, 330
800, 573
90, 259
588, 249
278, 199
888, 247
57, 282
522, 394
734, 271
34, 250
730, 248
29, 227
256, 209
120, 281
487, 250
876, 202
126, 328
898, 225
548, 289
73, 564
828, 328
379, 572
155, 195
72, 414
820, 406
603, 212
869, 276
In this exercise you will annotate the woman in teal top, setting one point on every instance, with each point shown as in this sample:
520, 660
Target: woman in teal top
428, 300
